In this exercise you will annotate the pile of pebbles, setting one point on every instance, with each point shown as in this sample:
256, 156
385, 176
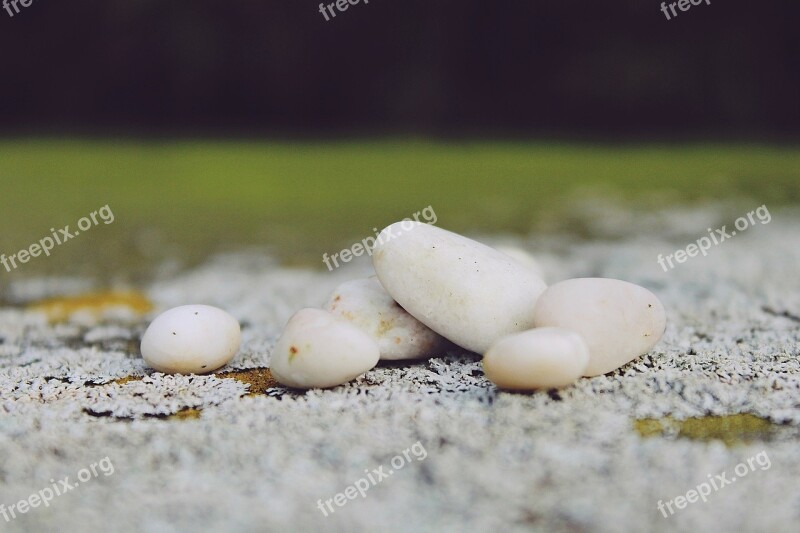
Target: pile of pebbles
434, 289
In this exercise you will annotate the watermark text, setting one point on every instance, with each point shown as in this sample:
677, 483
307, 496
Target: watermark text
715, 237
366, 245
703, 490
361, 486
46, 495
57, 238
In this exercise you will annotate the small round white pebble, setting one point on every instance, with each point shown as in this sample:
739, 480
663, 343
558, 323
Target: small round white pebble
619, 321
191, 339
541, 358
366, 304
319, 350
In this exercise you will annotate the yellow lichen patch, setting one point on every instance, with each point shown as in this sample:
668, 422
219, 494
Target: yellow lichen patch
259, 379
127, 379
650, 427
185, 414
732, 430
385, 326
96, 304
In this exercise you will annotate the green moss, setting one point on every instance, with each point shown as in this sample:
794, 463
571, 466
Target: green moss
732, 430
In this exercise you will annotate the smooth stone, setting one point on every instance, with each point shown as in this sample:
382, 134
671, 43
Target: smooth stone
366, 304
464, 290
320, 350
522, 257
191, 339
619, 321
542, 358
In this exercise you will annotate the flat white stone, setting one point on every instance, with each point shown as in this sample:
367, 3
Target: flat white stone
191, 339
319, 350
541, 358
618, 320
366, 304
466, 291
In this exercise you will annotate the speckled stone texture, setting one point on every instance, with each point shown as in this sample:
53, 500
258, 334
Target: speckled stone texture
551, 461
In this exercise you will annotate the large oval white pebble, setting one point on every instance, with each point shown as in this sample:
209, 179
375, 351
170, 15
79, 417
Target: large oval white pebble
366, 304
541, 358
618, 320
191, 339
467, 292
319, 350
522, 257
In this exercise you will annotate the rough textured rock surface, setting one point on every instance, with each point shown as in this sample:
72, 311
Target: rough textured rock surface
565, 461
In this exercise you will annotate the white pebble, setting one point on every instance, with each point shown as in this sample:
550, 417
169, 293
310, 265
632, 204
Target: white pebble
618, 320
522, 257
541, 358
465, 291
191, 339
319, 350
366, 304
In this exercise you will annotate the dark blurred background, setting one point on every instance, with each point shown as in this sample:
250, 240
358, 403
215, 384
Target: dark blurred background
571, 68
213, 126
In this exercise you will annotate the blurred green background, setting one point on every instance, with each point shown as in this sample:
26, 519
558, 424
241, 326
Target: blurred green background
189, 199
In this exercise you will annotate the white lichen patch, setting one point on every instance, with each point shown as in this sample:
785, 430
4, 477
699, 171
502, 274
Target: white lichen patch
496, 461
160, 395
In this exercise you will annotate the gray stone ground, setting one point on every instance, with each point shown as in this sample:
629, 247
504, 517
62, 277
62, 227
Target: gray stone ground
566, 461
